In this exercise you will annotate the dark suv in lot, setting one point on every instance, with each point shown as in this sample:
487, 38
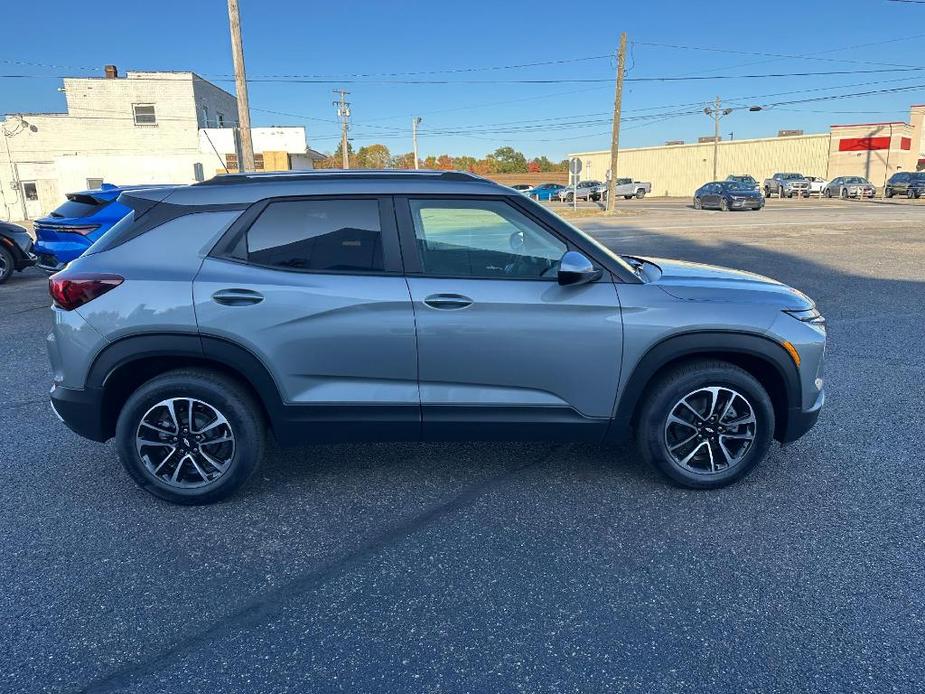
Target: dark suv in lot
908, 183
344, 306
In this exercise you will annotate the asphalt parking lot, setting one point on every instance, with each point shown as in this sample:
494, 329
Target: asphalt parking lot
503, 567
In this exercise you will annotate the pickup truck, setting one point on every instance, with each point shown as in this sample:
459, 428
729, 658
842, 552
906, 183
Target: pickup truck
787, 185
628, 188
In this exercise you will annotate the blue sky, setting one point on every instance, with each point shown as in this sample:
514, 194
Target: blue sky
53, 37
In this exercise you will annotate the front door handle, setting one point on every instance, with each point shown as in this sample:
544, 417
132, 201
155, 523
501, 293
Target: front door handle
448, 302
237, 297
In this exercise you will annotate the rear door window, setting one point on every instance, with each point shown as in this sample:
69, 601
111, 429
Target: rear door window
318, 236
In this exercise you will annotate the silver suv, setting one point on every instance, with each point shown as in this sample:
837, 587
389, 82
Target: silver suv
344, 306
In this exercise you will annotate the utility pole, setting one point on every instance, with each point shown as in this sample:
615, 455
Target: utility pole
716, 113
343, 112
415, 122
240, 87
615, 135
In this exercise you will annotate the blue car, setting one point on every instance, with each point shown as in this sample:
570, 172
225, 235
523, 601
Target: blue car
544, 191
72, 228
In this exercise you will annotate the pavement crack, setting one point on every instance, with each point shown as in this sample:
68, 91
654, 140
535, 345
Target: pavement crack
263, 607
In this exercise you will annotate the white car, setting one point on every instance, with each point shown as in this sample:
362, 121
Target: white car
816, 185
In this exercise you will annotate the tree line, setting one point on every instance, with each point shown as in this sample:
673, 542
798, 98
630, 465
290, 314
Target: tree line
502, 160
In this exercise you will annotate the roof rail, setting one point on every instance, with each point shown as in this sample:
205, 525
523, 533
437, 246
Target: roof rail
333, 174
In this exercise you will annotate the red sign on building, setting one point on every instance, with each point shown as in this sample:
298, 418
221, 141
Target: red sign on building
863, 144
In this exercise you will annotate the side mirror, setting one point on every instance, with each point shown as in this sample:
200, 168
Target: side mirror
575, 268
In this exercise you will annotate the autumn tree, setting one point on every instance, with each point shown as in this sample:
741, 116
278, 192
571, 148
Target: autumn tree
371, 157
403, 161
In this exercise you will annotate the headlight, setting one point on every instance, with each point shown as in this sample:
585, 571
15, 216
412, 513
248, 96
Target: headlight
809, 315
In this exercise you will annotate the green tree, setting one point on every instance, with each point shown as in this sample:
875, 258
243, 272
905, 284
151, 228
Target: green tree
371, 157
465, 163
508, 160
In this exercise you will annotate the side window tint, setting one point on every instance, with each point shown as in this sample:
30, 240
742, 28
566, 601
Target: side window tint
318, 235
479, 238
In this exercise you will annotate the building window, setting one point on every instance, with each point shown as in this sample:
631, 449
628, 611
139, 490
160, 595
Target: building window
205, 116
220, 119
258, 162
93, 183
29, 191
144, 114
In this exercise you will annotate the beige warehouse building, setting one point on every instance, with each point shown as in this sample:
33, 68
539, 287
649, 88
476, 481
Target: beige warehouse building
872, 150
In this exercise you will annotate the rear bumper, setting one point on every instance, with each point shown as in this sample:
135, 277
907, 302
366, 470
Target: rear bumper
800, 421
81, 411
54, 254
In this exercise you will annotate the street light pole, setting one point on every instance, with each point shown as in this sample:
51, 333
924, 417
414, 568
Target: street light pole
415, 122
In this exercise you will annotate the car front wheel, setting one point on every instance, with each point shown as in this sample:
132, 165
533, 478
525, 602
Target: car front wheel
190, 436
706, 424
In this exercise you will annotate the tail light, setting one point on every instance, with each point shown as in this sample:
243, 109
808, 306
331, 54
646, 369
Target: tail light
72, 290
82, 229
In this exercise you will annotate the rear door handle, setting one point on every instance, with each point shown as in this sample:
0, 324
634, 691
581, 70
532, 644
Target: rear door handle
237, 297
448, 302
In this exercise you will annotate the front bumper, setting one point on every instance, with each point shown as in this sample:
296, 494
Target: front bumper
800, 421
81, 411
747, 204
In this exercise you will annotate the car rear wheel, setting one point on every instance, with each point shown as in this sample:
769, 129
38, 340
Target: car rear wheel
7, 264
190, 436
628, 197
706, 424
698, 204
828, 192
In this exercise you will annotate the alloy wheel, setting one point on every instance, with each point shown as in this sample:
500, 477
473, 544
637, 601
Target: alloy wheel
185, 443
710, 430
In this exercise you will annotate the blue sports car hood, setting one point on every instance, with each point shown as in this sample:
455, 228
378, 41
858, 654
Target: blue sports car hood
698, 282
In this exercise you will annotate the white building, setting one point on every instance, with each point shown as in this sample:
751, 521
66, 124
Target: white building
146, 127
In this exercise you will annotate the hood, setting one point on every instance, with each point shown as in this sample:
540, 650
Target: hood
698, 282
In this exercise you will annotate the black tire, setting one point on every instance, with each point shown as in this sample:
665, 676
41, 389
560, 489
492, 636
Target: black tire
844, 194
888, 193
723, 205
681, 381
220, 392
640, 194
828, 192
910, 193
767, 192
627, 197
698, 204
7, 264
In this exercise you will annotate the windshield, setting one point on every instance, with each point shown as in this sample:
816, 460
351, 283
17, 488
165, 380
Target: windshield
919, 177
855, 179
597, 244
791, 176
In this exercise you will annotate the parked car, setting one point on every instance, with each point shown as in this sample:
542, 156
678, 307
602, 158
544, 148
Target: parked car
629, 188
325, 306
849, 187
816, 184
728, 195
72, 228
521, 187
908, 183
545, 191
585, 190
743, 178
15, 250
786, 185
